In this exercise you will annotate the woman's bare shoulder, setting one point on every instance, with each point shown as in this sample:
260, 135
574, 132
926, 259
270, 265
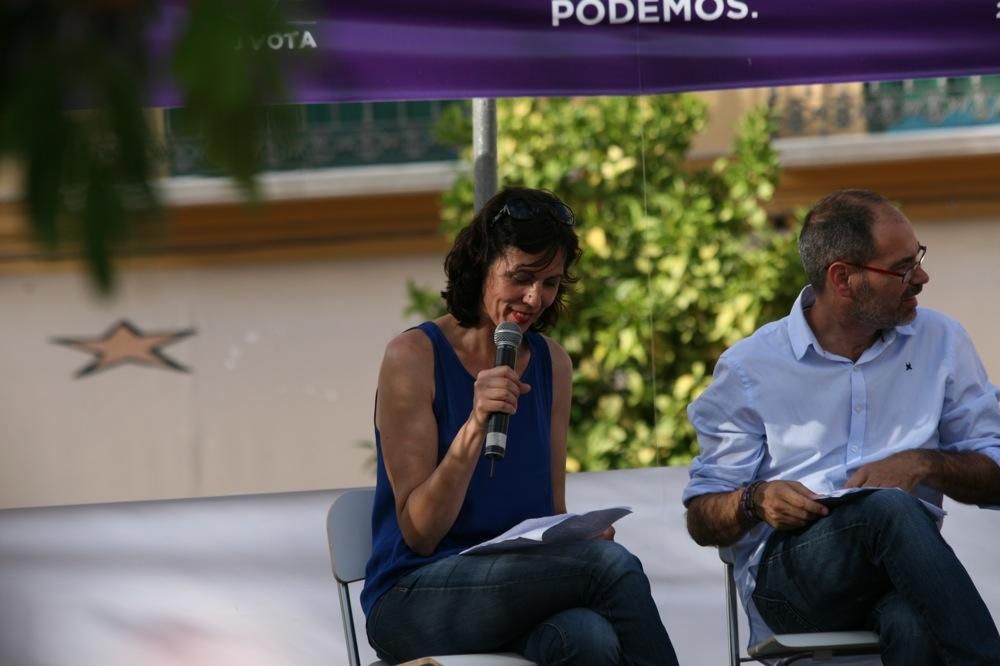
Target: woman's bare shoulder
410, 347
561, 360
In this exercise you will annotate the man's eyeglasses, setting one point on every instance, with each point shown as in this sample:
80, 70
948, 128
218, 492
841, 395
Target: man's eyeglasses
906, 276
521, 210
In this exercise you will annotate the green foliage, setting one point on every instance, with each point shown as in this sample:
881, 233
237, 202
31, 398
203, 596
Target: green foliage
423, 302
88, 174
679, 262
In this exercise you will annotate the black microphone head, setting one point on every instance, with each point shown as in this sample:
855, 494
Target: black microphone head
507, 334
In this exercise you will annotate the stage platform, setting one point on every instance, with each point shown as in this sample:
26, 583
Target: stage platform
246, 580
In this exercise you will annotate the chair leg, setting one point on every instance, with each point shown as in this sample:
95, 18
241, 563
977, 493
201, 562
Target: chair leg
732, 619
347, 615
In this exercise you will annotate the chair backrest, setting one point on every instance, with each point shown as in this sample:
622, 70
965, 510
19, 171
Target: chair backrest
349, 536
349, 528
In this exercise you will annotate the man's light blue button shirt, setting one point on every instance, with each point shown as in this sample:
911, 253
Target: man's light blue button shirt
782, 407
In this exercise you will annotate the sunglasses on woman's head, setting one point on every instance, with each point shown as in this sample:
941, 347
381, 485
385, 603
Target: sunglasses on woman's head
521, 210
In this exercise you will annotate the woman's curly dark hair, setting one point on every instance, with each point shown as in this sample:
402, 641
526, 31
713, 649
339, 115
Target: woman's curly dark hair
545, 231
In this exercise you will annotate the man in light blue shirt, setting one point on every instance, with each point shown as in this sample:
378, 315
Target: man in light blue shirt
855, 388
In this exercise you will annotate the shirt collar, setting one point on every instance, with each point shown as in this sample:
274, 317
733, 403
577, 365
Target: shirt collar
801, 335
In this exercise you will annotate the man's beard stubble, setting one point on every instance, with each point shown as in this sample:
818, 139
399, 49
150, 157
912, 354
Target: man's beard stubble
868, 310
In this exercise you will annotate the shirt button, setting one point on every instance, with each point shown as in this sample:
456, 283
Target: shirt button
859, 408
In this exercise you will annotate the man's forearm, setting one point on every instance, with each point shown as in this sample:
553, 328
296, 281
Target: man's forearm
971, 478
717, 519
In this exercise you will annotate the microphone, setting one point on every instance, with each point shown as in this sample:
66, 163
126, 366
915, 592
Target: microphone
507, 338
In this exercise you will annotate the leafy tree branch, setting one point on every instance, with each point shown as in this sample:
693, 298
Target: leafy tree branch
74, 81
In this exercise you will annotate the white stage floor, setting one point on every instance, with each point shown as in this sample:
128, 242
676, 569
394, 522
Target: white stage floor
246, 580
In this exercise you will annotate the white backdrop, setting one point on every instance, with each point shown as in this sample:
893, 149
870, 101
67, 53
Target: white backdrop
246, 579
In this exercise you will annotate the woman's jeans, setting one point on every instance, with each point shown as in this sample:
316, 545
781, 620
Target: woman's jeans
878, 562
582, 602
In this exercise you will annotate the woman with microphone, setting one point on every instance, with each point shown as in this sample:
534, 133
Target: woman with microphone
583, 602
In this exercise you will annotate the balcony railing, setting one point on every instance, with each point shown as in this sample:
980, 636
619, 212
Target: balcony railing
886, 106
340, 135
327, 135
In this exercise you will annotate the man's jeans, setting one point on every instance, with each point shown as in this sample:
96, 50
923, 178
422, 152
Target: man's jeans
584, 602
878, 562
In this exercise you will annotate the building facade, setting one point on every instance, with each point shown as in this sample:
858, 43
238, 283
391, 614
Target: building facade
239, 353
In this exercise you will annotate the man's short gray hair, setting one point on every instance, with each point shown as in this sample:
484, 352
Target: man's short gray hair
839, 228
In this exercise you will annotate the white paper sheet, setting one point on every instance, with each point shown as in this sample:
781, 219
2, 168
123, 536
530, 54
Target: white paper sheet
838, 496
551, 529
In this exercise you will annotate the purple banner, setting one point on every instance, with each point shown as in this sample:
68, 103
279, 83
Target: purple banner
350, 50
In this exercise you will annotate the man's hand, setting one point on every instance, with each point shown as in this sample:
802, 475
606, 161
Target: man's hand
900, 470
787, 505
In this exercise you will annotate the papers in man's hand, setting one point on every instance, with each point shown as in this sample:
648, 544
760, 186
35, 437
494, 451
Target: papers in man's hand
551, 529
840, 496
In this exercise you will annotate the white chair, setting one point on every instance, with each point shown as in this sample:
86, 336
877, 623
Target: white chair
788, 648
349, 535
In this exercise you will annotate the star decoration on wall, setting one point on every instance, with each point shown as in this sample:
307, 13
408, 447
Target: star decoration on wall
125, 343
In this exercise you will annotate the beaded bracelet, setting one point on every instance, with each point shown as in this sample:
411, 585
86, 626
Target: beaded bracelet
747, 505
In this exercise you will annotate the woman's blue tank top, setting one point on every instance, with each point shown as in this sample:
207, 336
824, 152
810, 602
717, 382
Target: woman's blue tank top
521, 486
